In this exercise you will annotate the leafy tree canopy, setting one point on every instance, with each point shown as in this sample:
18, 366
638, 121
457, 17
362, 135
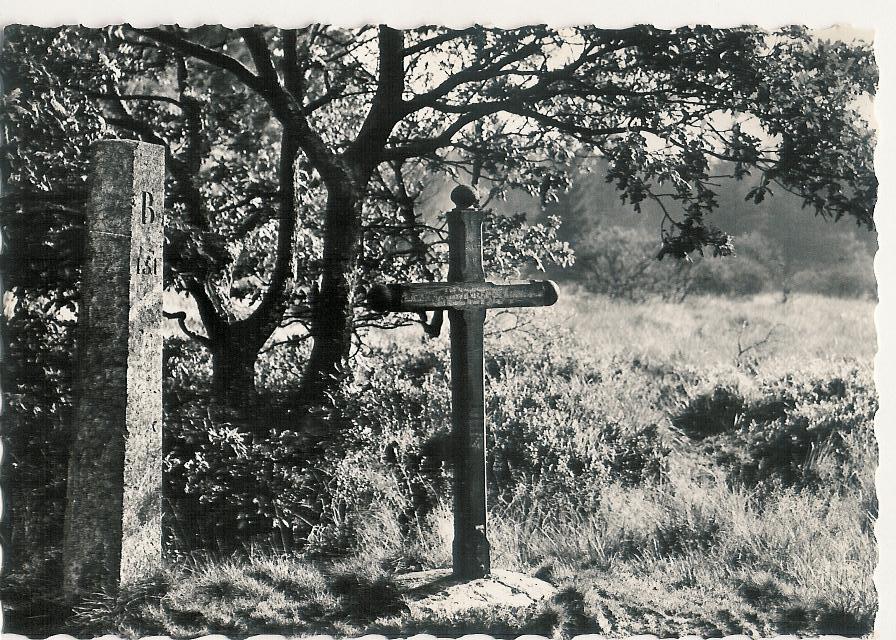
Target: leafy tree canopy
298, 160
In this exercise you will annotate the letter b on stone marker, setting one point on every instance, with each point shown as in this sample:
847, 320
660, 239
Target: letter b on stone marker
148, 215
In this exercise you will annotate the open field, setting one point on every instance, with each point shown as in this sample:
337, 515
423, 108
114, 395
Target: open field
699, 468
704, 330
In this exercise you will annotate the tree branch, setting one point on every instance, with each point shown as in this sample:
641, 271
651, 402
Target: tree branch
449, 35
134, 96
261, 55
125, 120
387, 107
332, 93
270, 311
474, 73
292, 75
424, 146
181, 318
212, 57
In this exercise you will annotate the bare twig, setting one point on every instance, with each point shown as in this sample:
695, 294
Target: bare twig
742, 349
181, 318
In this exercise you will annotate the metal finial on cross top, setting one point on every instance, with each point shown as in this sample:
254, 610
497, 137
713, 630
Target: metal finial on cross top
467, 295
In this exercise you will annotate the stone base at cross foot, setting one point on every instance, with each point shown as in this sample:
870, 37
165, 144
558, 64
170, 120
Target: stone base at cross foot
436, 593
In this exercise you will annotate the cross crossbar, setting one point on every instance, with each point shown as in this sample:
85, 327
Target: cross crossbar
429, 296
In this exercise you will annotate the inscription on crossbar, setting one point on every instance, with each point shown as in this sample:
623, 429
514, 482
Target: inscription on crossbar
466, 296
446, 295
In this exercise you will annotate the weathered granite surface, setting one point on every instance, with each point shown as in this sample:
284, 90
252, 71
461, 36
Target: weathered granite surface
113, 513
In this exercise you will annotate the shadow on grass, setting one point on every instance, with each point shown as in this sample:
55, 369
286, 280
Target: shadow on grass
292, 598
32, 600
364, 599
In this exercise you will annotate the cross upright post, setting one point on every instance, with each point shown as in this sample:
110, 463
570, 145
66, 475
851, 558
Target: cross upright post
466, 296
471, 553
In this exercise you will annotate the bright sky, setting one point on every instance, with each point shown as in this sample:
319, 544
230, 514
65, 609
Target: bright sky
846, 33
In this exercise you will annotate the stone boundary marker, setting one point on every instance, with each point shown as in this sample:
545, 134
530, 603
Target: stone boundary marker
422, 636
113, 528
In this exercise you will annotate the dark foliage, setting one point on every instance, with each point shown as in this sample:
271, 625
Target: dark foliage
799, 434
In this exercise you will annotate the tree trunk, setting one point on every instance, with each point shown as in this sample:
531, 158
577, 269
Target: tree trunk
235, 345
346, 178
234, 350
332, 323
233, 375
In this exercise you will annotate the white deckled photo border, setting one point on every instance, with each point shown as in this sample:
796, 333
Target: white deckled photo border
871, 15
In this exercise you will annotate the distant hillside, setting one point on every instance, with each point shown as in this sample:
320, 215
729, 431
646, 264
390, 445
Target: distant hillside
777, 242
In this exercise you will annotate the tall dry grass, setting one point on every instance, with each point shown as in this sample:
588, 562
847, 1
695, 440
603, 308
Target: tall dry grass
666, 466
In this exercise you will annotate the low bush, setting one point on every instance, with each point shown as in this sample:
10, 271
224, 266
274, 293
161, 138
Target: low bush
551, 433
798, 431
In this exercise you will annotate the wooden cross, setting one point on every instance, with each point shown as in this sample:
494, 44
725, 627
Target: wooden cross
466, 296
